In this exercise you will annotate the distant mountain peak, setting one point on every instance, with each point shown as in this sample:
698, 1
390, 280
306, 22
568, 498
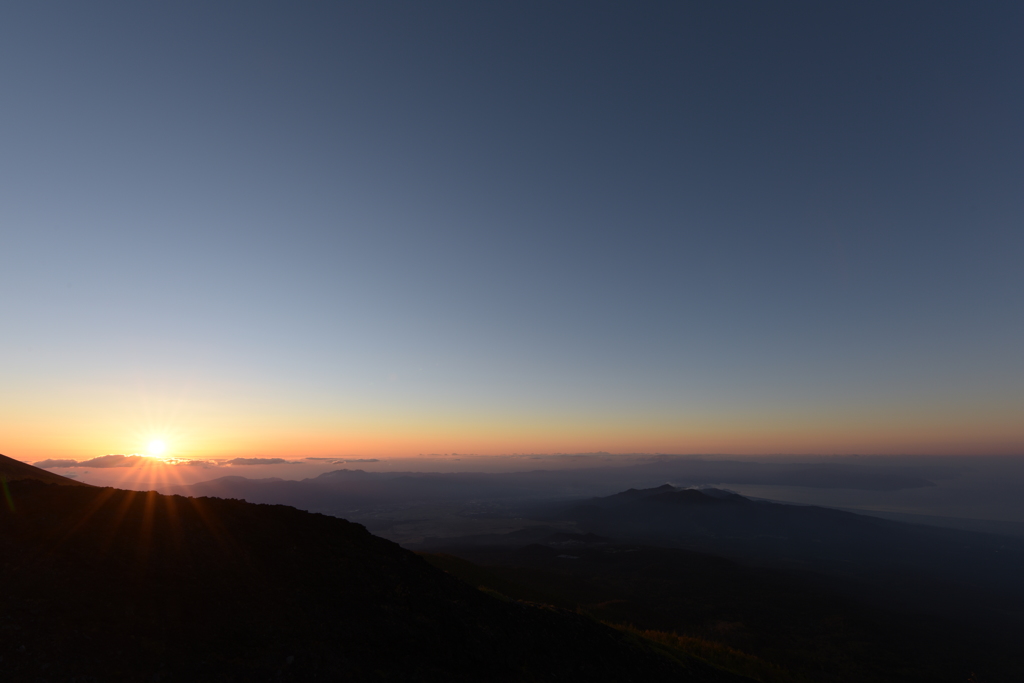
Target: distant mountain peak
669, 494
644, 493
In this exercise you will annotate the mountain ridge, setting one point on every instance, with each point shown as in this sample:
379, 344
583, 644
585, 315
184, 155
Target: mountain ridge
125, 585
16, 470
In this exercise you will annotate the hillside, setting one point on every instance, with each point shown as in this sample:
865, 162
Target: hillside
121, 585
15, 470
823, 595
805, 537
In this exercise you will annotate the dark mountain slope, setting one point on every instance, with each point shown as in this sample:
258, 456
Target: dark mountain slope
808, 538
15, 470
792, 627
104, 584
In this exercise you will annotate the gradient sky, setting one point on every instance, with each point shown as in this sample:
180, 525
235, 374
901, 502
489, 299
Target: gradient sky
304, 229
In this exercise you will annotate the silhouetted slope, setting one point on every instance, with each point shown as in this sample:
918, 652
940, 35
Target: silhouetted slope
121, 585
15, 470
793, 627
807, 537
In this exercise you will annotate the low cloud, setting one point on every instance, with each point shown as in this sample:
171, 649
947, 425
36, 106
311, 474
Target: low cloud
114, 461
259, 461
47, 464
342, 461
190, 462
100, 462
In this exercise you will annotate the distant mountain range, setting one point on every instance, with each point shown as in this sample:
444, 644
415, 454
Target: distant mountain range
382, 487
349, 493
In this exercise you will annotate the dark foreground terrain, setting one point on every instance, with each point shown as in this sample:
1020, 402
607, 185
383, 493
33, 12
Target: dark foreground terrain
769, 625
665, 583
778, 592
102, 584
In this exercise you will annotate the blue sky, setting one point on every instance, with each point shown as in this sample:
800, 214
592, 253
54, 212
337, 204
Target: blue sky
496, 227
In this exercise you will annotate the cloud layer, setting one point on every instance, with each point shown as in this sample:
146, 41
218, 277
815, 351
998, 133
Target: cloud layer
259, 461
103, 461
106, 461
342, 461
47, 464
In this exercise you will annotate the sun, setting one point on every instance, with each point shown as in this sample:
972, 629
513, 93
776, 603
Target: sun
156, 447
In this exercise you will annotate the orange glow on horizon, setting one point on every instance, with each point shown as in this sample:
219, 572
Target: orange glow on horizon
83, 431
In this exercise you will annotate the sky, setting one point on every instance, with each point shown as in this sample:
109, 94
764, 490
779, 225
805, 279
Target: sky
383, 229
